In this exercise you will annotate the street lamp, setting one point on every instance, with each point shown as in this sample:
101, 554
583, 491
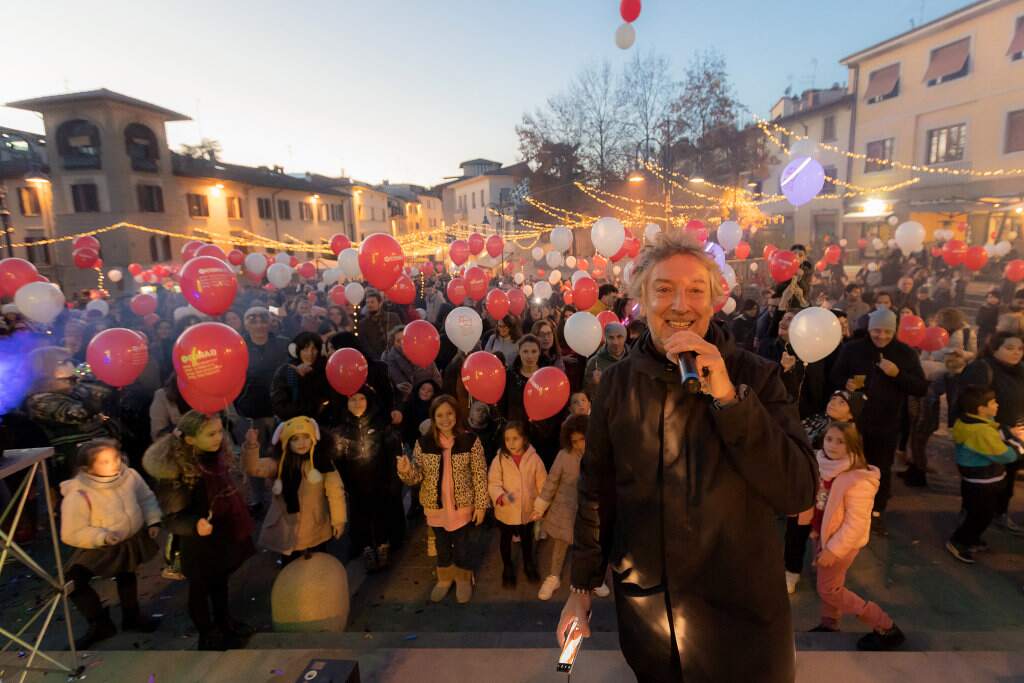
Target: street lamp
636, 177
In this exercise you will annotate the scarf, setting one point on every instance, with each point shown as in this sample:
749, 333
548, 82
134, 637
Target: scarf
226, 505
830, 469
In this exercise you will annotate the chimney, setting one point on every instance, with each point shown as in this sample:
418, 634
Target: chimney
279, 169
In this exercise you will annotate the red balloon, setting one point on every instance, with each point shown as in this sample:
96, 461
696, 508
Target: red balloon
311, 297
517, 300
497, 304
936, 252
204, 403
190, 249
629, 10
236, 257
783, 265
769, 249
606, 318
458, 252
954, 252
336, 294
403, 291
421, 343
208, 284
476, 283
347, 370
85, 258
15, 272
293, 261
832, 254
381, 260
632, 247
862, 243
253, 278
211, 250
117, 356
143, 304
456, 291
476, 243
1015, 270
307, 270
935, 338
911, 330
484, 376
820, 266
134, 269
584, 293
975, 258
697, 230
495, 245
582, 264
213, 359
339, 243
742, 250
86, 242
621, 253
541, 272
546, 393
161, 270
567, 298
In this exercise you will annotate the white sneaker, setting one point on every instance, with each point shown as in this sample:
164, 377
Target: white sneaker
791, 581
548, 588
602, 591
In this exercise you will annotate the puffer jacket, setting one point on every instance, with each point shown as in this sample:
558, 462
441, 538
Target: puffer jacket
557, 500
846, 525
520, 485
680, 496
93, 507
469, 470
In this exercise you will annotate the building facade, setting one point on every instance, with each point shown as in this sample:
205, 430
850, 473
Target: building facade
484, 191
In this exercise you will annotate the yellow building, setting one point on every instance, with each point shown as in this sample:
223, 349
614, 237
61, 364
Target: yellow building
947, 95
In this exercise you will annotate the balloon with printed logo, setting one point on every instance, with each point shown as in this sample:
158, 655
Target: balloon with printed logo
802, 180
456, 291
189, 249
256, 264
475, 243
546, 393
608, 234
584, 293
204, 403
346, 371
975, 258
742, 250
729, 235
606, 318
421, 343
516, 301
769, 249
14, 273
783, 265
212, 250
280, 275
833, 253
458, 252
954, 252
476, 283
85, 258
117, 356
497, 304
463, 328
583, 333
212, 358
339, 243
483, 375
935, 338
208, 284
814, 333
911, 330
381, 260
495, 245
143, 304
1015, 270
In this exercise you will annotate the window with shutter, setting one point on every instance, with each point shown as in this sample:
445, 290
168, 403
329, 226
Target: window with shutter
1015, 131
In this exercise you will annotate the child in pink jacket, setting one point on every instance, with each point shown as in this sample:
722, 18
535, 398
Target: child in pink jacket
840, 525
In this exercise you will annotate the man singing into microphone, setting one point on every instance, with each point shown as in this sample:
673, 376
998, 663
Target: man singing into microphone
679, 491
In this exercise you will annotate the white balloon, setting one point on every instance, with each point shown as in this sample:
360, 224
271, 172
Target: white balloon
463, 327
608, 234
554, 277
561, 238
279, 275
753, 267
422, 313
577, 275
348, 260
115, 275
40, 302
138, 278
284, 258
1003, 248
729, 235
814, 333
992, 250
627, 272
98, 305
519, 278
528, 290
872, 267
1011, 235
255, 263
877, 243
729, 306
542, 290
354, 293
730, 276
625, 35
331, 276
892, 244
843, 242
651, 231
583, 333
910, 237
616, 269
893, 220
537, 253
570, 261
553, 259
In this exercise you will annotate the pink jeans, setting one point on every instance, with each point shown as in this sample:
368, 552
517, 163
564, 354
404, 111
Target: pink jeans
837, 600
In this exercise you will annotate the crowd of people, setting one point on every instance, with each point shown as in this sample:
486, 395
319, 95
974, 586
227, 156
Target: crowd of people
293, 466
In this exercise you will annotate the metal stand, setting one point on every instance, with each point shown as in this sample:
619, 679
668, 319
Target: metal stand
12, 462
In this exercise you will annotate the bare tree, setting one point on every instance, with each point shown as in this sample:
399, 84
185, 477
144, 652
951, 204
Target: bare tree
647, 94
707, 107
597, 96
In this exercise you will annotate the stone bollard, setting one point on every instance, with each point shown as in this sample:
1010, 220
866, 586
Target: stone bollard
311, 595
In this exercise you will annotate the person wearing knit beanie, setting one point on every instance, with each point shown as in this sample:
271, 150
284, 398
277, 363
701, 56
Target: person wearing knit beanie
882, 319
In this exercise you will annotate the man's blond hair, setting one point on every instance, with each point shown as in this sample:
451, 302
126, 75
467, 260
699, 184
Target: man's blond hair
665, 246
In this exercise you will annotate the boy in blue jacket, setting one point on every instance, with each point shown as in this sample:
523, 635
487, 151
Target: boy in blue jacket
981, 455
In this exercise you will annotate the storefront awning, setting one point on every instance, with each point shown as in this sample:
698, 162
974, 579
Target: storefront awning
948, 59
883, 81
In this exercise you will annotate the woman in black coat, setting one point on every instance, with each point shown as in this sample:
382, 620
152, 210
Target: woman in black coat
300, 387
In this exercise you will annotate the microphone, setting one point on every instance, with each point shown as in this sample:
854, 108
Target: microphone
688, 372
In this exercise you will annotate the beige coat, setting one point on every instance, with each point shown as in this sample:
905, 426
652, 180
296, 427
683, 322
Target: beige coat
522, 484
557, 500
846, 524
321, 506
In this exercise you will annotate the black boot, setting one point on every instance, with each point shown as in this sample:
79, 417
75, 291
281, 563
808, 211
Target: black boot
508, 576
132, 618
880, 641
99, 630
530, 569
914, 477
212, 639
